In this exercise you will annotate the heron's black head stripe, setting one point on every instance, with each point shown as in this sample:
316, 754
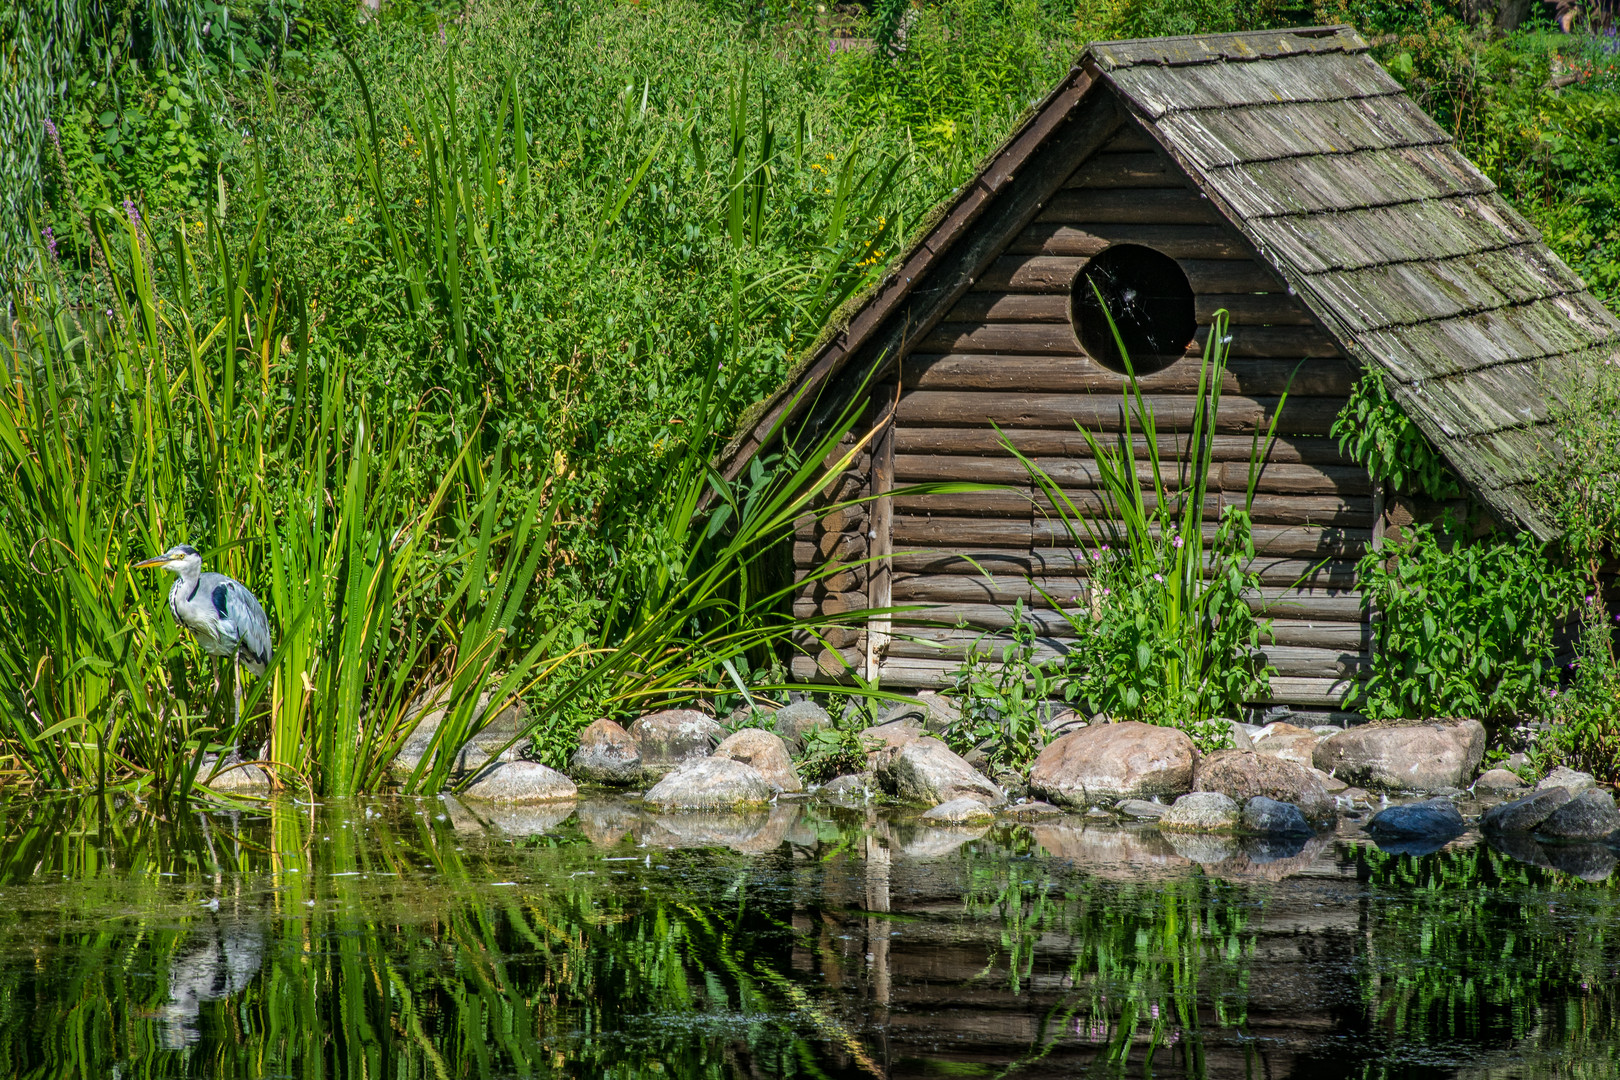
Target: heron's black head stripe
221, 601
185, 549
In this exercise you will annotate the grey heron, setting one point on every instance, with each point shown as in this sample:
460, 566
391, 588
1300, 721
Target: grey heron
220, 612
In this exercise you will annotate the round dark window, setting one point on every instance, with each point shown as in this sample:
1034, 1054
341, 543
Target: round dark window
1150, 300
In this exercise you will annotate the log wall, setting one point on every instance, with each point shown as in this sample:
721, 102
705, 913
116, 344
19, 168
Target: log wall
1006, 354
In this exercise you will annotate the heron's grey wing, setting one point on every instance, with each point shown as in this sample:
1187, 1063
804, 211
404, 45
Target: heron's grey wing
238, 607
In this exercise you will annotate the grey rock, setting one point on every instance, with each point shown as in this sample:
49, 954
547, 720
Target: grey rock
1027, 811
607, 754
1062, 721
520, 782
1570, 780
765, 752
1591, 815
883, 741
960, 812
674, 736
1242, 775
710, 784
1140, 809
1104, 763
1268, 817
1522, 815
1289, 742
503, 728
1331, 784
1240, 737
926, 771
851, 786
930, 712
233, 777
1201, 811
795, 721
1435, 821
1406, 757
1498, 780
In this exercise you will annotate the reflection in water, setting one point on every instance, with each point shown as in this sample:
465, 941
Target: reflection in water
434, 938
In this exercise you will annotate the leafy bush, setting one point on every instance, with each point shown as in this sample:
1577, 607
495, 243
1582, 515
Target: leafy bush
1000, 695
1464, 628
1375, 432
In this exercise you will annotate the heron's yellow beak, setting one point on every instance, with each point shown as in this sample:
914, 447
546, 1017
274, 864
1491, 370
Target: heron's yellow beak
156, 560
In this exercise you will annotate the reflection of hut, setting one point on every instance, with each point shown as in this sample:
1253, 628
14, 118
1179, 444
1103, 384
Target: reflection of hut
1281, 175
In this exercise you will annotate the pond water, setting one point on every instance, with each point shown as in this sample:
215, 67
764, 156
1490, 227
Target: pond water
413, 938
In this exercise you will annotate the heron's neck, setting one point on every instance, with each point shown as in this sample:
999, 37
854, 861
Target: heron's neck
189, 573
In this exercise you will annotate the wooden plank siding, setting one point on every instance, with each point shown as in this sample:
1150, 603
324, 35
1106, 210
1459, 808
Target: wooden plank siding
1005, 353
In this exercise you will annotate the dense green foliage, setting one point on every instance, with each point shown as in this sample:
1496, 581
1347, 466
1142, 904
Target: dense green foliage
1464, 629
1374, 431
579, 237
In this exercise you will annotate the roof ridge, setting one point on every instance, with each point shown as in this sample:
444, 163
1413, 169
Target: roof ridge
1213, 48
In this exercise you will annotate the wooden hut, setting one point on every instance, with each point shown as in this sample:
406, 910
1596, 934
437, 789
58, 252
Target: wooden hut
1283, 176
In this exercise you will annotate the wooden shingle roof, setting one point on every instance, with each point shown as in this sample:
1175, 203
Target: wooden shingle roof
1395, 241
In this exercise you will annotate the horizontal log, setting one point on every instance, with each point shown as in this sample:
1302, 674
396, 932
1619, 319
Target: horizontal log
1344, 635
1253, 308
1129, 138
1140, 168
1055, 274
1289, 542
995, 503
1296, 449
1276, 341
1328, 692
1176, 241
956, 590
1326, 377
954, 645
1123, 206
1238, 413
1076, 562
913, 673
1264, 509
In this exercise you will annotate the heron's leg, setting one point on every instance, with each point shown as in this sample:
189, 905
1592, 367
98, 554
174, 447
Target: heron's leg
236, 696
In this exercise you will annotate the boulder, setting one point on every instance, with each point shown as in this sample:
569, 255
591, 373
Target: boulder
1140, 809
673, 736
607, 754
1522, 815
794, 721
1201, 812
503, 728
926, 771
765, 752
1416, 828
1268, 817
932, 712
1331, 784
1030, 811
852, 786
1104, 763
234, 777
1406, 757
1242, 775
710, 784
520, 782
1570, 780
1289, 742
883, 741
1591, 815
1498, 780
960, 812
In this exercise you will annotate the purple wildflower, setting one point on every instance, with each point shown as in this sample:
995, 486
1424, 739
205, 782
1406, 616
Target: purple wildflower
1159, 578
1177, 542
133, 214
56, 137
50, 242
